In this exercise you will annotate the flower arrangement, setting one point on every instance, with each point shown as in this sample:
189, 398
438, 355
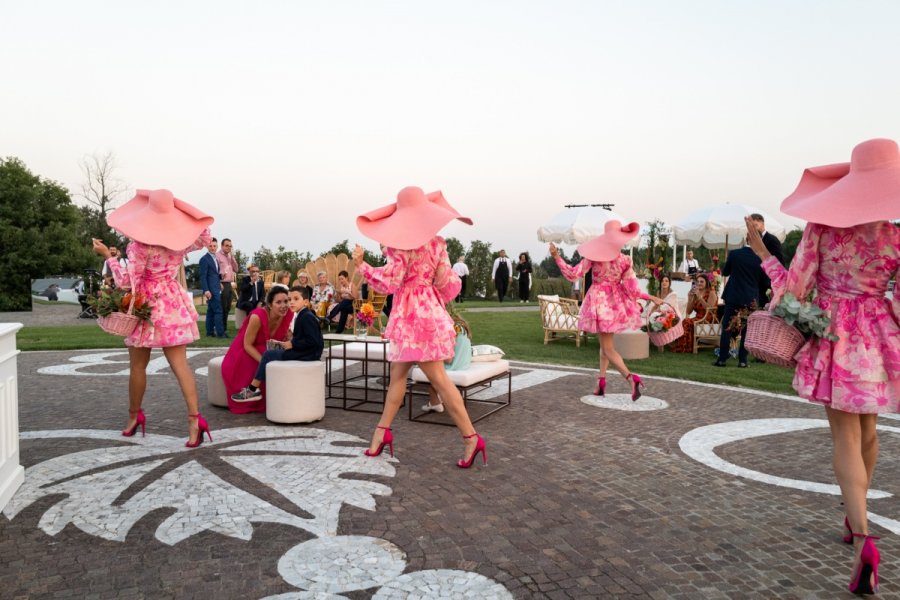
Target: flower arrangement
739, 319
110, 301
664, 320
366, 314
806, 316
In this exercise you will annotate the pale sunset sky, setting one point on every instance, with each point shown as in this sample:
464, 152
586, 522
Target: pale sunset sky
286, 119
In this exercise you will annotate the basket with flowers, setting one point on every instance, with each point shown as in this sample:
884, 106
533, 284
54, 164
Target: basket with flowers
776, 335
664, 325
119, 311
365, 316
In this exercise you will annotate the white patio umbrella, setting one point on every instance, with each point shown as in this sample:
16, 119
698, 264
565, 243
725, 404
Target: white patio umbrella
716, 226
576, 225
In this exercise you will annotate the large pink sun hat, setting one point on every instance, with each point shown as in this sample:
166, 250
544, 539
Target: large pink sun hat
157, 218
608, 244
864, 190
411, 221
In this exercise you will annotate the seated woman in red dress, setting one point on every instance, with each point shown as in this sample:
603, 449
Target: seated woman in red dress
702, 301
269, 322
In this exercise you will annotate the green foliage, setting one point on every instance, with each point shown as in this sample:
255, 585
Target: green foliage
805, 316
340, 248
264, 259
480, 262
242, 259
549, 266
455, 249
291, 260
789, 245
39, 233
551, 286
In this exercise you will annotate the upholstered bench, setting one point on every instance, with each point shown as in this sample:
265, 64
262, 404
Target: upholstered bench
632, 345
215, 387
295, 391
477, 377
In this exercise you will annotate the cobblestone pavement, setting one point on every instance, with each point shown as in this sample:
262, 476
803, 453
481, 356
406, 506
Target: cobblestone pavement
582, 497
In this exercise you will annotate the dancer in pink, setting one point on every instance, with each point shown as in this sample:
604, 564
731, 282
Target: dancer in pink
420, 330
164, 229
611, 304
271, 322
848, 254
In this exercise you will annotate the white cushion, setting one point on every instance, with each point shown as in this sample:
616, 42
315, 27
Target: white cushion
486, 353
215, 387
476, 373
295, 391
357, 351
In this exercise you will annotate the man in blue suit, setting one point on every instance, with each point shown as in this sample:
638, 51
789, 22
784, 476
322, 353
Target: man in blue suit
743, 269
211, 284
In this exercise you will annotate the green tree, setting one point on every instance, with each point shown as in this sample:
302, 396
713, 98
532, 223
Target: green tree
39, 229
480, 262
549, 266
340, 248
291, 260
658, 254
241, 259
455, 249
789, 245
264, 259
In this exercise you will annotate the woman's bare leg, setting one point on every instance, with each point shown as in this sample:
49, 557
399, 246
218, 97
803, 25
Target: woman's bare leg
177, 358
453, 402
393, 401
138, 359
610, 354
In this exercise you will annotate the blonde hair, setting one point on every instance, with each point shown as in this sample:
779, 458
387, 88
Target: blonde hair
281, 275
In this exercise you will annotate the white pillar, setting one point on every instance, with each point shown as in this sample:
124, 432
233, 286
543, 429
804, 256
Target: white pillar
11, 472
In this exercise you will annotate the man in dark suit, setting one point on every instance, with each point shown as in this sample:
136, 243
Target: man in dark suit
742, 289
252, 291
773, 245
211, 284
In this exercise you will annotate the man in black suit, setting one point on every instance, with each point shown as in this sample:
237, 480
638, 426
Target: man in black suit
743, 271
774, 247
252, 291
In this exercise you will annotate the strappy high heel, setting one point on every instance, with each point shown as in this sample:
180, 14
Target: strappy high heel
636, 386
386, 440
848, 537
140, 419
865, 580
601, 387
479, 447
203, 428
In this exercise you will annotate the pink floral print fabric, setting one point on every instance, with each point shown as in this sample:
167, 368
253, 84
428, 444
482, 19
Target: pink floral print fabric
850, 269
152, 271
420, 329
611, 303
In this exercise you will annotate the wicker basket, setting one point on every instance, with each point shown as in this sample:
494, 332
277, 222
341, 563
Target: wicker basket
661, 338
118, 323
770, 339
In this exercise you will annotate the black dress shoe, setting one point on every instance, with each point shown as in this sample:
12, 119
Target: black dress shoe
718, 364
742, 365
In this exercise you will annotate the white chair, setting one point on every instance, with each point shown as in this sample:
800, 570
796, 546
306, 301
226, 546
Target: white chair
559, 318
295, 391
215, 387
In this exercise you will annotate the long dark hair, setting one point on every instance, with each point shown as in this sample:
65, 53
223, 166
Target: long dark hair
527, 259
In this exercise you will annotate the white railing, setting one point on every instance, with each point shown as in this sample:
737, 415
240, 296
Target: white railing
11, 472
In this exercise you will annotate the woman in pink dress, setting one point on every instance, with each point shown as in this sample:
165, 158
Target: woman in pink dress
611, 304
420, 330
164, 229
271, 322
848, 254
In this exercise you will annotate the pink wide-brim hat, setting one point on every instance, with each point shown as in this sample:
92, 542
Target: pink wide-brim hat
411, 221
608, 244
864, 190
157, 218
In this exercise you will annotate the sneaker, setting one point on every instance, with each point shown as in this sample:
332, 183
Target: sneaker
245, 395
438, 408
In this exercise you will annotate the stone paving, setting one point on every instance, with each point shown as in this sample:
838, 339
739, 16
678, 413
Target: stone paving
696, 491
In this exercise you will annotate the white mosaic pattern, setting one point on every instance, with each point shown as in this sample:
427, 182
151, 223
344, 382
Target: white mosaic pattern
624, 402
443, 584
342, 563
97, 365
521, 381
305, 596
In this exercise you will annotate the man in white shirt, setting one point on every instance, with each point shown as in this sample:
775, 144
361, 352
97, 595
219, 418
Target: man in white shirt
689, 265
105, 271
502, 274
461, 269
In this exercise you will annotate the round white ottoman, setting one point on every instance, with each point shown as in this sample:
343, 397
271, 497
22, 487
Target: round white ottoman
239, 316
295, 391
215, 387
632, 344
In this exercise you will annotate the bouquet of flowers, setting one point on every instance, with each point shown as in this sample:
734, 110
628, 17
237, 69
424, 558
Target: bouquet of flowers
739, 319
664, 321
664, 325
366, 314
119, 311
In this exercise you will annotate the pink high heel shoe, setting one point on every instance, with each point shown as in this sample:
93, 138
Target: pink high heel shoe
204, 428
601, 387
140, 419
386, 440
479, 447
848, 537
865, 580
636, 386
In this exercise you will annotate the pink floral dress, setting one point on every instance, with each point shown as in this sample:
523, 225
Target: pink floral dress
420, 329
153, 270
850, 269
610, 305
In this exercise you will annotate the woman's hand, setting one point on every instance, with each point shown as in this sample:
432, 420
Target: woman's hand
358, 254
100, 248
553, 251
656, 301
754, 239
286, 345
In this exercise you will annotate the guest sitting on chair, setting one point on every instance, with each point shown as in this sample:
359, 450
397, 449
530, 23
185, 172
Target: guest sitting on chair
322, 295
702, 301
344, 305
303, 281
253, 291
242, 360
283, 279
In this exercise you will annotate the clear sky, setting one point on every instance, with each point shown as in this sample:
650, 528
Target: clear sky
285, 120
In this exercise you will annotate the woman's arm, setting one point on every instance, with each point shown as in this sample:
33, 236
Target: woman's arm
250, 337
384, 280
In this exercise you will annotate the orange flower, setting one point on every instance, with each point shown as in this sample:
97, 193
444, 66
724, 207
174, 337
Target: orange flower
126, 301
